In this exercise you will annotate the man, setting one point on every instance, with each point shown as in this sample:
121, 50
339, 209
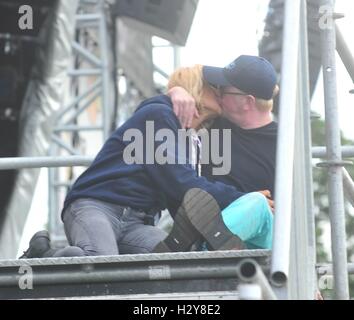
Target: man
247, 88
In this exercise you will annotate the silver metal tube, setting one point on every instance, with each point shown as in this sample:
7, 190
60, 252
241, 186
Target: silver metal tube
87, 17
321, 152
161, 72
77, 128
345, 53
85, 94
302, 277
104, 45
286, 144
64, 145
44, 162
333, 142
348, 186
130, 273
84, 72
249, 271
84, 106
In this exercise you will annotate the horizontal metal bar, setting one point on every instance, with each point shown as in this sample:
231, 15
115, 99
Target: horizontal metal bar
9, 36
121, 269
77, 128
44, 162
140, 258
62, 184
320, 152
326, 269
87, 17
84, 72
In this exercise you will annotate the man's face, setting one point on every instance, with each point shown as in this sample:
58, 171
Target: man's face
232, 101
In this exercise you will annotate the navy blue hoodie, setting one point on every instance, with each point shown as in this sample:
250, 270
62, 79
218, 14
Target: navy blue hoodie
144, 186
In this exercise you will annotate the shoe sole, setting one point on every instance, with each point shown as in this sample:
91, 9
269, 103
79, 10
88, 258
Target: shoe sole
183, 235
206, 218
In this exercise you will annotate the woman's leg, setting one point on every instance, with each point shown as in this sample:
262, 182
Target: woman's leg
136, 237
89, 226
251, 219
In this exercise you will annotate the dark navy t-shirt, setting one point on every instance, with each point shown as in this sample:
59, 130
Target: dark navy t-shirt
253, 155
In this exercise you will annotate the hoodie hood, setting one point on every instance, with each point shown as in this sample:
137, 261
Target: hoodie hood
160, 99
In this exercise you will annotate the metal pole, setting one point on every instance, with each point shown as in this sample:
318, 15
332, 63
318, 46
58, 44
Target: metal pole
128, 273
334, 164
44, 162
345, 53
106, 105
302, 277
348, 186
249, 272
286, 144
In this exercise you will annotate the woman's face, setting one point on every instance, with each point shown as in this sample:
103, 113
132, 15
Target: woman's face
210, 100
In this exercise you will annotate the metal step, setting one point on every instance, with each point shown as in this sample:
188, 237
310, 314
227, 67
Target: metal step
167, 275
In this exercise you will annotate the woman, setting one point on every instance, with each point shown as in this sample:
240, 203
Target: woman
107, 211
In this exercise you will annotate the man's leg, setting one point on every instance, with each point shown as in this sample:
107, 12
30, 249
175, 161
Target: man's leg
251, 219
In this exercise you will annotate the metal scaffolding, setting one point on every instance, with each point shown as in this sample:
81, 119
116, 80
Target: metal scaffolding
90, 83
334, 161
292, 272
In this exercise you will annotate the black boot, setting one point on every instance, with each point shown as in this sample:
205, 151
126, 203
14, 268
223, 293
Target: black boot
39, 244
199, 215
207, 219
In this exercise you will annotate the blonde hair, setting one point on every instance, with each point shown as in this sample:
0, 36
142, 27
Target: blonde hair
267, 105
190, 79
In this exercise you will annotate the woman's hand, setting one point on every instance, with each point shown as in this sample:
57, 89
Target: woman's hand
183, 106
268, 195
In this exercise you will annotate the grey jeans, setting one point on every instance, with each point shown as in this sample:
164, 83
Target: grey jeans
101, 228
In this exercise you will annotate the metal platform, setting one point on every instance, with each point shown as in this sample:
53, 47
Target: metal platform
190, 274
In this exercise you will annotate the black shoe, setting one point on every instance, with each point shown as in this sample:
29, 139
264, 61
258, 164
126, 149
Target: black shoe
206, 218
39, 244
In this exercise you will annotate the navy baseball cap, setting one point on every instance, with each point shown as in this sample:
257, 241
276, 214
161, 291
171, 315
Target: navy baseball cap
251, 74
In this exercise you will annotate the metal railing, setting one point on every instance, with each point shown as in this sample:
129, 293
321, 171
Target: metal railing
334, 161
284, 182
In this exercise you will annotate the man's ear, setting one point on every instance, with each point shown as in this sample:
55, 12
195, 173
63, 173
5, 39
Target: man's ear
250, 103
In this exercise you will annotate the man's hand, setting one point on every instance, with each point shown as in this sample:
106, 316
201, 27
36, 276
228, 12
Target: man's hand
183, 106
268, 195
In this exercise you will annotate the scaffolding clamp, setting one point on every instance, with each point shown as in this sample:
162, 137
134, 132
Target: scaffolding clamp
334, 163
